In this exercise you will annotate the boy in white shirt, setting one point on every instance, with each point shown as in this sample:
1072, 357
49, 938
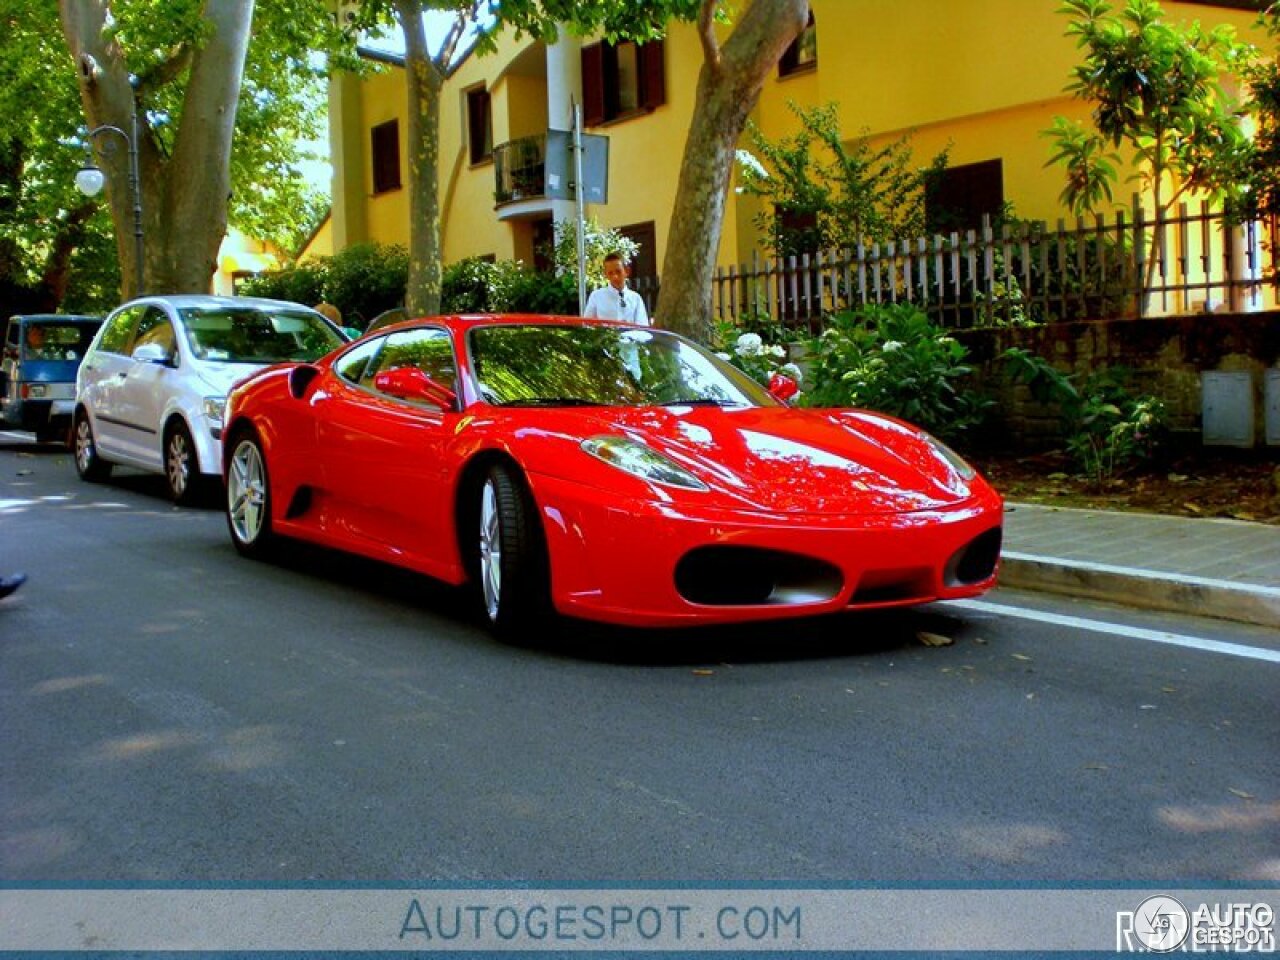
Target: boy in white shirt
615, 301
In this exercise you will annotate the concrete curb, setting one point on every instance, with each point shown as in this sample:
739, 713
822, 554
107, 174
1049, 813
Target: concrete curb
1149, 590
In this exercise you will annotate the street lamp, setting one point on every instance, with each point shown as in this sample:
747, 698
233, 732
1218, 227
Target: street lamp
89, 180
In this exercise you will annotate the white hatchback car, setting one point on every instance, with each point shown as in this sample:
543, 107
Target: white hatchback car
150, 391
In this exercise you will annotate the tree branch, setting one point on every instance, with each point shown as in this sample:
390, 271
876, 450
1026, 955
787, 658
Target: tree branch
166, 72
456, 31
707, 34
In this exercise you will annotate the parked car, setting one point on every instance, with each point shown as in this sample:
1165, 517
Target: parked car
38, 371
151, 390
603, 470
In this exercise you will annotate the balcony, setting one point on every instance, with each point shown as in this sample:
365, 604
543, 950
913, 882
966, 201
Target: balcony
520, 169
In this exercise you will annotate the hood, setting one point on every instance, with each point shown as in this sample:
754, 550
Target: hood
785, 460
221, 377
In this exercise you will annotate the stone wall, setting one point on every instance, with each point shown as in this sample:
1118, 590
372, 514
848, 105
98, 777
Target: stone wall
1165, 355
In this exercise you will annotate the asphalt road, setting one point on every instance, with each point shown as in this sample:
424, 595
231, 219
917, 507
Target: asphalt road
173, 712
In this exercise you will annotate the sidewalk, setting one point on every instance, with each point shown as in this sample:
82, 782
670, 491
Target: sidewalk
1228, 569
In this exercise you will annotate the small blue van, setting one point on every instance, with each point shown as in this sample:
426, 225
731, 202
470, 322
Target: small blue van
42, 353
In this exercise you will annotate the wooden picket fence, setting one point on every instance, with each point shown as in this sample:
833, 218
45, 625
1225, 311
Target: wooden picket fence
1130, 266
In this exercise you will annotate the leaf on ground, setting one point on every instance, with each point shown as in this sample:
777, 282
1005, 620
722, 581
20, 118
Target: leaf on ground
1177, 478
1242, 794
1058, 476
934, 639
1194, 508
24, 473
704, 673
1096, 766
1244, 515
1168, 689
1020, 656
980, 641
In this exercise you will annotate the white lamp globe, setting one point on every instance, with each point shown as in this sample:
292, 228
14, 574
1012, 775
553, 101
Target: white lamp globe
89, 181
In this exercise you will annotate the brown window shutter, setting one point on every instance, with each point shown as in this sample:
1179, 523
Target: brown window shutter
653, 79
593, 85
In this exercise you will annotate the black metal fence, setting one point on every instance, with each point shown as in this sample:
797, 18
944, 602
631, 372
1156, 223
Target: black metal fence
1132, 266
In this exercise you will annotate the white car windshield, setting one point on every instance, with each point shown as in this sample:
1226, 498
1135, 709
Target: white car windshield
257, 335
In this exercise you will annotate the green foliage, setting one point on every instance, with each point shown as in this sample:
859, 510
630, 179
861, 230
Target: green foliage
823, 193
1262, 195
366, 279
478, 286
896, 360
362, 281
1107, 428
1156, 88
600, 241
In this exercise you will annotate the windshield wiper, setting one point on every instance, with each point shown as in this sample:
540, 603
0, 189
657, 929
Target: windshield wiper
550, 402
700, 402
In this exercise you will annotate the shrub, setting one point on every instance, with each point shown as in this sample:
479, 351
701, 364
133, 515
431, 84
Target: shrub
367, 279
896, 360
1108, 429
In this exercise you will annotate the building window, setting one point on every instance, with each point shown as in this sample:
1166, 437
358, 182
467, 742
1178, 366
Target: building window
802, 55
959, 197
479, 125
386, 156
621, 80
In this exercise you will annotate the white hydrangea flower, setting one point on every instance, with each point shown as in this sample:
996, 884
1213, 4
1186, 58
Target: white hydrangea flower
751, 166
891, 345
724, 356
792, 371
749, 345
777, 351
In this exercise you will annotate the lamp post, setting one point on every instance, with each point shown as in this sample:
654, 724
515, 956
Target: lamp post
90, 179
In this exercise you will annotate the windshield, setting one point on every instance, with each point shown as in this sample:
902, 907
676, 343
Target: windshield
607, 366
258, 335
57, 341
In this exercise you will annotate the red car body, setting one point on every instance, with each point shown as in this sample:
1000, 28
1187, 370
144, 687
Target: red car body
774, 511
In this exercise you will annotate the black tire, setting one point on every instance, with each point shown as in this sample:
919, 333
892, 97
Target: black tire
511, 570
89, 464
181, 465
248, 506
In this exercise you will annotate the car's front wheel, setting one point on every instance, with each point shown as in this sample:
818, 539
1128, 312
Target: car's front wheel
511, 565
89, 464
181, 468
249, 498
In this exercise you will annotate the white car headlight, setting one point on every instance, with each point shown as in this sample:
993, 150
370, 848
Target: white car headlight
957, 462
214, 408
640, 461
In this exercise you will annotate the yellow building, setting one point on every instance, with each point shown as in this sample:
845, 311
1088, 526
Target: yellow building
982, 78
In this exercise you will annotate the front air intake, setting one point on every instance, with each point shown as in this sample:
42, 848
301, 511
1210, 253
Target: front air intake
751, 576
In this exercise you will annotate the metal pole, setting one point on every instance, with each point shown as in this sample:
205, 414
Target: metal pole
580, 194
135, 182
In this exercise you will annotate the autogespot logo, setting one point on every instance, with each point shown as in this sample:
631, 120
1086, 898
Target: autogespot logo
1159, 925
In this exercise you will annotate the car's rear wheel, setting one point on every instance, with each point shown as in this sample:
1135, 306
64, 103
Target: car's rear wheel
249, 498
89, 464
181, 468
511, 566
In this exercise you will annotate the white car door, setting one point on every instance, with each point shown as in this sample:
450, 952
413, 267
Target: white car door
148, 384
101, 377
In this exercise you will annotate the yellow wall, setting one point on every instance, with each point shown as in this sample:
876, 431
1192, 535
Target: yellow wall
983, 77
321, 242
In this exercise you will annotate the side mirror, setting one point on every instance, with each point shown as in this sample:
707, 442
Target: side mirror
153, 353
783, 387
410, 383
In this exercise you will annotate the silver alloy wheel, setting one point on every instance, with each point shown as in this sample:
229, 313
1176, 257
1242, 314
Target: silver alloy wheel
178, 463
490, 550
246, 492
84, 445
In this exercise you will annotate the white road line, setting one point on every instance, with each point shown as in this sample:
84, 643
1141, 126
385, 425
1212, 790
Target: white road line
1120, 630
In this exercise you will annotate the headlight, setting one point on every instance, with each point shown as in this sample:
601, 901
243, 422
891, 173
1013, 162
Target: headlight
640, 461
957, 462
214, 407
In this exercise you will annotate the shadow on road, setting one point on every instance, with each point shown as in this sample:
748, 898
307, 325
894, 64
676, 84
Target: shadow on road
840, 635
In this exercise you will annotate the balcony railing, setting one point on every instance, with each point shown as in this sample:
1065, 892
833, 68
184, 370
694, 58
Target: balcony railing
520, 169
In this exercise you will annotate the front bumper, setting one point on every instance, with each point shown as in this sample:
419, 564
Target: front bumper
647, 563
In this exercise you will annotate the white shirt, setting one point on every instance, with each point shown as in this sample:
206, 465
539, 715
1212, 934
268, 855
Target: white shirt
609, 303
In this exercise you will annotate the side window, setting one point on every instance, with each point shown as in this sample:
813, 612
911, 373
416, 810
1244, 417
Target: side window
13, 337
802, 55
351, 365
115, 338
427, 349
154, 327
